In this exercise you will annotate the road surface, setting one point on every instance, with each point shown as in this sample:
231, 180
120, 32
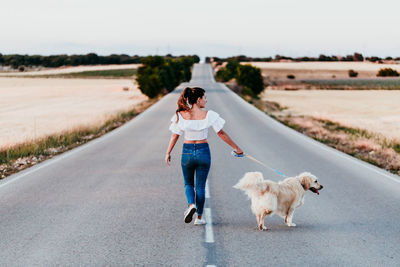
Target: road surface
114, 202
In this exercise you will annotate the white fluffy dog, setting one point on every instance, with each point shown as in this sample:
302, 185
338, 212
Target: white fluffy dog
268, 197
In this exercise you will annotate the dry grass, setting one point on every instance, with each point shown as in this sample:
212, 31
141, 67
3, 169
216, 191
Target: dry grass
374, 110
31, 108
359, 143
23, 155
371, 147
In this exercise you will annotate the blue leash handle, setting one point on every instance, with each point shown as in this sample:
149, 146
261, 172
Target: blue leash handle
237, 155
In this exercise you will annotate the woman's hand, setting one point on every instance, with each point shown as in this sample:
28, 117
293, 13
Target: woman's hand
238, 151
168, 159
172, 142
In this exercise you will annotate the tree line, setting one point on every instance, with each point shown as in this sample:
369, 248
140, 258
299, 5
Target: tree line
354, 57
53, 61
160, 75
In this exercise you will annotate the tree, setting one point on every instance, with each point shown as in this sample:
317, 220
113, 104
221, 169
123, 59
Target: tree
232, 67
159, 75
92, 59
353, 74
250, 77
387, 72
223, 75
358, 57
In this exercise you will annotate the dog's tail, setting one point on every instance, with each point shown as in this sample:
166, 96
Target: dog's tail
249, 180
253, 183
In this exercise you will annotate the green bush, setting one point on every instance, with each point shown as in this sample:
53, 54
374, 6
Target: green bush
291, 76
159, 75
387, 72
229, 72
250, 77
353, 74
232, 66
223, 75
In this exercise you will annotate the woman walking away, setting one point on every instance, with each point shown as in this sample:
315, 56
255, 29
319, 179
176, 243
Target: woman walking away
191, 119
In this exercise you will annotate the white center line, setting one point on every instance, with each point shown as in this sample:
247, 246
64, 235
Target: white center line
209, 230
207, 190
207, 211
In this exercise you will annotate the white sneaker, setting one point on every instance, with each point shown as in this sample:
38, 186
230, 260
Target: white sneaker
198, 221
189, 213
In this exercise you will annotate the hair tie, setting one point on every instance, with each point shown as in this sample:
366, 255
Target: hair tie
188, 104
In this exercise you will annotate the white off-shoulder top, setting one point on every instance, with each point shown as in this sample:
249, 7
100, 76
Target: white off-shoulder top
196, 129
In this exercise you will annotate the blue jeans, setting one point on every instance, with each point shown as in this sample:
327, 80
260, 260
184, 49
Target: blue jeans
196, 160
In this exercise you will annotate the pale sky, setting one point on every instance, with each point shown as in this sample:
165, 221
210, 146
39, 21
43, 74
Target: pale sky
204, 27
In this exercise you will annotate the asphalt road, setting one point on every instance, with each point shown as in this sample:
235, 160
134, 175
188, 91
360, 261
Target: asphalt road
114, 202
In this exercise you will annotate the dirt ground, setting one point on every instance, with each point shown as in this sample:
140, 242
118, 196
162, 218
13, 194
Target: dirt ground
319, 70
374, 110
34, 107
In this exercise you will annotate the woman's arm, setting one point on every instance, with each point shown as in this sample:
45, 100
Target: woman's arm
225, 137
172, 142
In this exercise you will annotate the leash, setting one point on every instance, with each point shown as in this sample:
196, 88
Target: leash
257, 161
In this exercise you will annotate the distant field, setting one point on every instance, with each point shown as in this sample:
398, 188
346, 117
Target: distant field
319, 70
35, 107
122, 73
374, 110
70, 69
326, 75
351, 83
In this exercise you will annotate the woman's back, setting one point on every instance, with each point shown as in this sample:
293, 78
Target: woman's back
197, 128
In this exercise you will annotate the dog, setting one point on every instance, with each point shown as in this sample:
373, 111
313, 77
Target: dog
268, 197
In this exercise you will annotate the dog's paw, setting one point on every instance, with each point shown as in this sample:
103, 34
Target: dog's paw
291, 224
262, 228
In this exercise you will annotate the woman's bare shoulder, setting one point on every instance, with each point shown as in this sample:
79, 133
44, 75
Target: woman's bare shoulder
185, 114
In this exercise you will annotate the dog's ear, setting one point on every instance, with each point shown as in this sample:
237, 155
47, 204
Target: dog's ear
306, 182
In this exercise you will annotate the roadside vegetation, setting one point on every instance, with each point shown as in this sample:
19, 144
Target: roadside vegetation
24, 155
158, 75
362, 144
246, 79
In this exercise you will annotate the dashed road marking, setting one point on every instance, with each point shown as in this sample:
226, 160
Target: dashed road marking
207, 190
209, 229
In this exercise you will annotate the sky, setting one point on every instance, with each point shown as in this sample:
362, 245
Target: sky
257, 28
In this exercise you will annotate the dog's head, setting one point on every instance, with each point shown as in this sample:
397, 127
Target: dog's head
310, 182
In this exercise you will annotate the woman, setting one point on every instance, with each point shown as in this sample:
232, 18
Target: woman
190, 119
